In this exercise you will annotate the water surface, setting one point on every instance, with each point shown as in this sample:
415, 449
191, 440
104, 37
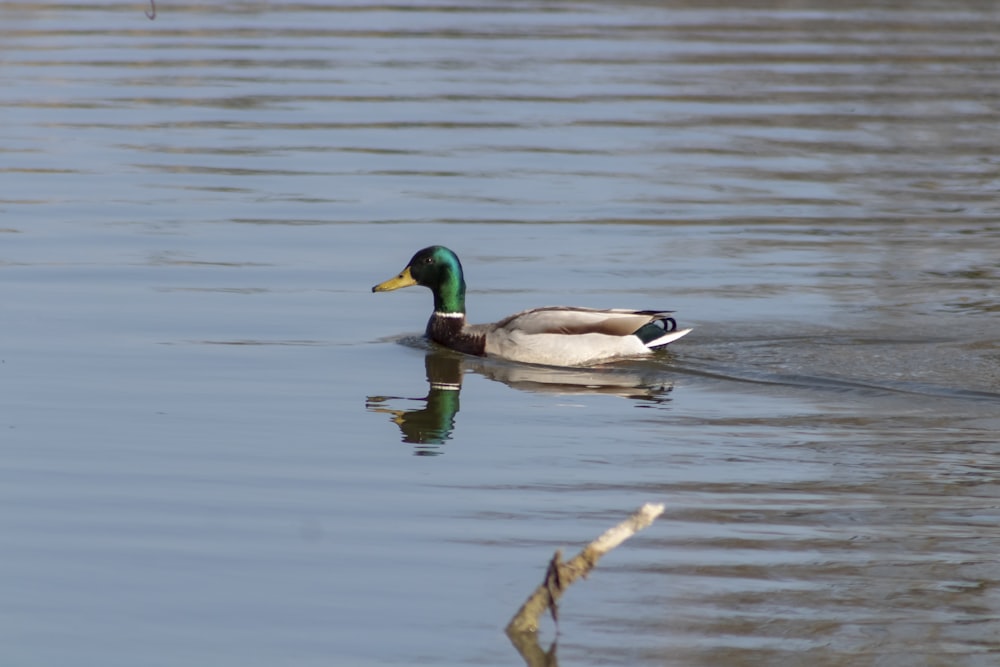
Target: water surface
219, 447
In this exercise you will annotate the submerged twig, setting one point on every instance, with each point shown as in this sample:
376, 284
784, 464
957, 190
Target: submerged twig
531, 651
151, 15
560, 575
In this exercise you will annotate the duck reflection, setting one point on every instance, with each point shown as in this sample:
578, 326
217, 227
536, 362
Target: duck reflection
432, 423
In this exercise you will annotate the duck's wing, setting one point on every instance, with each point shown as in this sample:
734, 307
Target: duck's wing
575, 321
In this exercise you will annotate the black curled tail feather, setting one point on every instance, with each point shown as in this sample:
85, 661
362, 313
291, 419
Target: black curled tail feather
655, 329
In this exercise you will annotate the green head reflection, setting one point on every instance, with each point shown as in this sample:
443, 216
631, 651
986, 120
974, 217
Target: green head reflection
432, 424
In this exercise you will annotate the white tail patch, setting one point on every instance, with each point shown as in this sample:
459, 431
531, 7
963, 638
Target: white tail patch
666, 338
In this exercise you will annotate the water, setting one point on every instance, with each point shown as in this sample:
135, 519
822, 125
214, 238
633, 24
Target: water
220, 447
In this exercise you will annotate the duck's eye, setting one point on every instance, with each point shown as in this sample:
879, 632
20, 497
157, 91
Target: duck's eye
428, 260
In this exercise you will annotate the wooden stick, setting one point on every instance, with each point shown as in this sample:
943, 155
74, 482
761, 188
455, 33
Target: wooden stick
560, 575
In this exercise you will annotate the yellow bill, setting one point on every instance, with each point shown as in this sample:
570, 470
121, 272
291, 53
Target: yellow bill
404, 279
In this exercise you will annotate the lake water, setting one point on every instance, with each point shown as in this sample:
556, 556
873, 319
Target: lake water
220, 448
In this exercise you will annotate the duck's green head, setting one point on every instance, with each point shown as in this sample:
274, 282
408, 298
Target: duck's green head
436, 268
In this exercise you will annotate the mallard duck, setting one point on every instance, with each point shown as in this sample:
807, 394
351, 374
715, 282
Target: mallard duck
554, 336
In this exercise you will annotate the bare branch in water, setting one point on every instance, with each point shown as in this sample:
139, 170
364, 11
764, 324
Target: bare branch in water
561, 574
151, 15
